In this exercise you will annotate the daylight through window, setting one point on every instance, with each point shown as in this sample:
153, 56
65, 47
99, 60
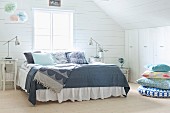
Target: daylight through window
53, 30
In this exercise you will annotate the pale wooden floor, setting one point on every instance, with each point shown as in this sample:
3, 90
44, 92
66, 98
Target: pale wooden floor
16, 102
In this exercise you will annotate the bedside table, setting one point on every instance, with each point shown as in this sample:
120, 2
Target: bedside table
93, 60
8, 71
125, 71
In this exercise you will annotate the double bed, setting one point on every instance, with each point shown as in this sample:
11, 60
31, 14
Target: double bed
75, 82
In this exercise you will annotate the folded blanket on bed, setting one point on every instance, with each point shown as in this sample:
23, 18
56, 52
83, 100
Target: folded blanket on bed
54, 77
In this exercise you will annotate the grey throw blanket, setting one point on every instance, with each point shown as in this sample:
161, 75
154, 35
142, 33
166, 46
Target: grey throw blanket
54, 77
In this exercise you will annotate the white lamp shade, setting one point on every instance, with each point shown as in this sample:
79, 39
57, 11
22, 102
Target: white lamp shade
90, 41
17, 41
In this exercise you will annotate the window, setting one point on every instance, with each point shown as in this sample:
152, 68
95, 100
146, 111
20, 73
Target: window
53, 30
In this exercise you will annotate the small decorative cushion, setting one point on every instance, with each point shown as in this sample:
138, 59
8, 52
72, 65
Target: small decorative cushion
29, 58
60, 57
154, 92
43, 58
154, 82
151, 74
76, 57
158, 68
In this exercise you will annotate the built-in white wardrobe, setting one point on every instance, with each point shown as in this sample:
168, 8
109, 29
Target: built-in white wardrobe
146, 46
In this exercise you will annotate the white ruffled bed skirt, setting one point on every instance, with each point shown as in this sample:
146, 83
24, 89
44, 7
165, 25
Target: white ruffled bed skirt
79, 94
73, 94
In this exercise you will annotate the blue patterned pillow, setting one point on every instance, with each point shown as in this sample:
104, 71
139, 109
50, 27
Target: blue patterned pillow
60, 57
76, 57
154, 82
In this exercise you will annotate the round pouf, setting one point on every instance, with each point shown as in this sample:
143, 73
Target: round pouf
154, 92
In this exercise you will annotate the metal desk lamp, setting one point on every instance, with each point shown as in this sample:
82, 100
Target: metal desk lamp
16, 43
98, 47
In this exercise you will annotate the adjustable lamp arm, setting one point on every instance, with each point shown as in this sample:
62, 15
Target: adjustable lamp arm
95, 41
10, 40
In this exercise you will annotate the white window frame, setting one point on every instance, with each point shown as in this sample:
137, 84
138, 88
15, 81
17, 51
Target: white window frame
59, 11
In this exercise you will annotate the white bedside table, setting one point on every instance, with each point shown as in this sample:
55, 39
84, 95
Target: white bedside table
125, 71
8, 71
93, 60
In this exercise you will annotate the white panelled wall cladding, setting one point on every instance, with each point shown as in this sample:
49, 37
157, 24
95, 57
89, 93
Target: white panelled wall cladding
146, 46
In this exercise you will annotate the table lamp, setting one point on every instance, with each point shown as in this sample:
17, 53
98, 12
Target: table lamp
98, 47
16, 43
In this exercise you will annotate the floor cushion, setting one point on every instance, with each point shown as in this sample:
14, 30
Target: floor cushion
154, 92
154, 82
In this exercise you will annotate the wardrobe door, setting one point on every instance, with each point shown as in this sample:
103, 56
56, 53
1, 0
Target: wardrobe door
167, 45
160, 46
132, 36
145, 49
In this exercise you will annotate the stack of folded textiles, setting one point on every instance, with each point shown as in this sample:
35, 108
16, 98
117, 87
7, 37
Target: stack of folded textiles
155, 81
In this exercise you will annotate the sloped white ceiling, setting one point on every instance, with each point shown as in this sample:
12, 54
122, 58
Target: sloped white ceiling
131, 14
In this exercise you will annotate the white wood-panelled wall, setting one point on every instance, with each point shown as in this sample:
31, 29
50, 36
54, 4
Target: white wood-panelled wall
89, 21
146, 46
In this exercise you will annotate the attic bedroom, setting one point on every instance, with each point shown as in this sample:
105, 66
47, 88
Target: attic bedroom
100, 56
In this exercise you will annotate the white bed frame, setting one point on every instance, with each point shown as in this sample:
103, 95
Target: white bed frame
72, 94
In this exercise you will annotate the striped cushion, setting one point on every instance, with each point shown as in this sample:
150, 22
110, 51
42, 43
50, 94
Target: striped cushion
154, 92
152, 74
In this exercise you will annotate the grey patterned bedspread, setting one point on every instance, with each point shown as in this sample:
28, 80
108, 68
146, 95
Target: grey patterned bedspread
76, 77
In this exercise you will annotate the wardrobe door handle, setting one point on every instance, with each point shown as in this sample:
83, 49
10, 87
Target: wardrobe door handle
145, 46
161, 46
